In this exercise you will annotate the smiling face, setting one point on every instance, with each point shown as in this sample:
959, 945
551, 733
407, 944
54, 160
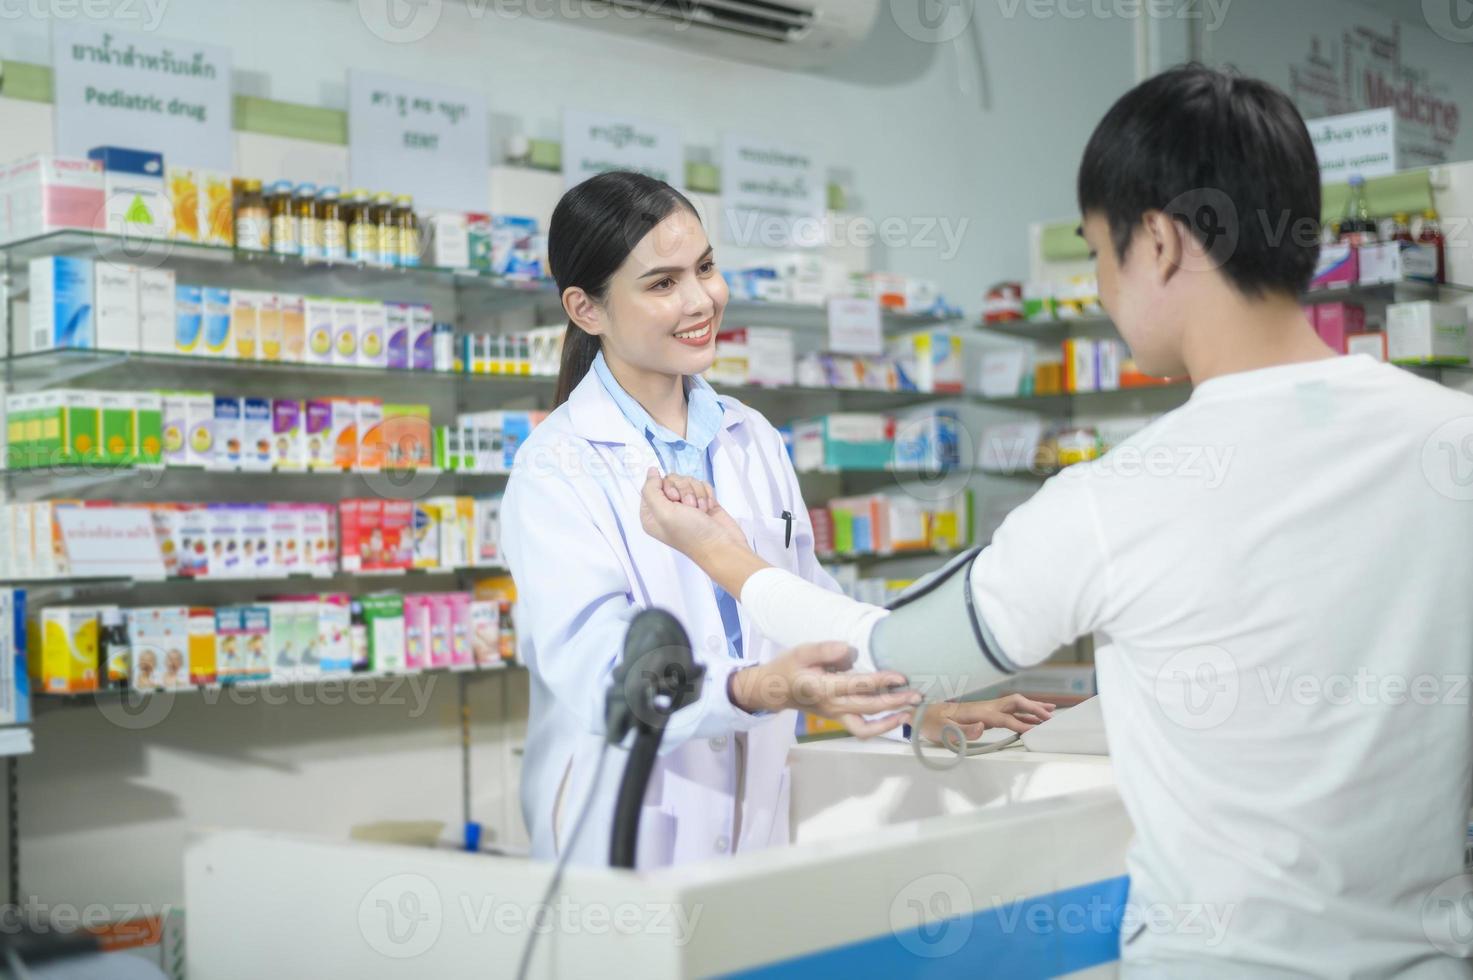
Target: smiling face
662, 308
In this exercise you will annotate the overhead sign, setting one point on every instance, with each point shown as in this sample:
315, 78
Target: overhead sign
118, 88
432, 141
1361, 143
595, 143
773, 195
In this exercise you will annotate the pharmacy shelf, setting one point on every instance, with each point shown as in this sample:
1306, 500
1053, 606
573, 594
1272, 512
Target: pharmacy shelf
877, 558
318, 583
224, 266
1084, 400
62, 698
1386, 292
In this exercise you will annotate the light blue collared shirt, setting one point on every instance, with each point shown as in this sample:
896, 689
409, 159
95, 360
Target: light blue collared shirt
690, 457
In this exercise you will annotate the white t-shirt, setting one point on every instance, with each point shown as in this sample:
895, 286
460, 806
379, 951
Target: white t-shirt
1279, 577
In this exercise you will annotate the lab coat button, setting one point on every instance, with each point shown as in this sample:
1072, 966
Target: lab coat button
718, 743
722, 843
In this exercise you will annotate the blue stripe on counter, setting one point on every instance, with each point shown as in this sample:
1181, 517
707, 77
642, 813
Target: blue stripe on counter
1036, 937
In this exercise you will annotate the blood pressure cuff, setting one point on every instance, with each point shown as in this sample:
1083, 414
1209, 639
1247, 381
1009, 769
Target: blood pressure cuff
935, 635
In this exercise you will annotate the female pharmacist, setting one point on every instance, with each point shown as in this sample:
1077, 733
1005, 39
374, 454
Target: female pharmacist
644, 301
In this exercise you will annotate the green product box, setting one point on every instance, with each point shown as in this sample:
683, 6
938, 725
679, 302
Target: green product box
148, 408
119, 446
69, 432
383, 619
19, 413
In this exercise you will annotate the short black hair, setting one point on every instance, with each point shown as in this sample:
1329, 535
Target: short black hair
1195, 141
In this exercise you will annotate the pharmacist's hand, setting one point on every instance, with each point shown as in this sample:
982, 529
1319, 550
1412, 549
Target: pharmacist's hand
1014, 712
683, 513
810, 678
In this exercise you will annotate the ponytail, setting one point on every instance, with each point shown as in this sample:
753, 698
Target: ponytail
579, 349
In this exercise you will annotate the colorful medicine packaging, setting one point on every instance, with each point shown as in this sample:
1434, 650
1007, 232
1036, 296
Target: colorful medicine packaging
62, 304
1427, 333
42, 193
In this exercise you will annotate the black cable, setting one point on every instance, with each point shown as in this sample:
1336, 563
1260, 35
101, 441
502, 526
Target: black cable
630, 802
562, 862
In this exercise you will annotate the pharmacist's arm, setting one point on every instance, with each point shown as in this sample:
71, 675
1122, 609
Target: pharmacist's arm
1042, 583
574, 608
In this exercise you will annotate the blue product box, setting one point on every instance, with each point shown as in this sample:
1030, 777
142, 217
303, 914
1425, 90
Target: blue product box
215, 321
62, 309
188, 319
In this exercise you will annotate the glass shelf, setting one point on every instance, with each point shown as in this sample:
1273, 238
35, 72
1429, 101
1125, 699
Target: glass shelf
409, 574
488, 292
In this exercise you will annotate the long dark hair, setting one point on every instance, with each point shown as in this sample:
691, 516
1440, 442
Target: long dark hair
594, 228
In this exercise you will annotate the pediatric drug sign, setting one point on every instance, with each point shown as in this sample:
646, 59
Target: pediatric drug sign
118, 88
772, 195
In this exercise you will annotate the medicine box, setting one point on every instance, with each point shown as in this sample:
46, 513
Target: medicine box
245, 322
136, 201
318, 314
407, 437
188, 320
291, 308
1427, 333
285, 528
288, 440
1338, 267
449, 240
256, 442
370, 419
203, 666
230, 654
317, 432
1372, 344
68, 650
343, 436
930, 361
61, 309
421, 337
333, 621
216, 313
118, 422
1335, 322
42, 193
157, 316
159, 636
843, 440
115, 310
268, 327
1397, 262
383, 618
345, 332
372, 345
227, 434
222, 532
256, 638
396, 340
148, 409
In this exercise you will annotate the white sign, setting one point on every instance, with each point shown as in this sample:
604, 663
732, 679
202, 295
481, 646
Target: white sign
110, 541
855, 326
432, 141
116, 88
594, 143
772, 195
1361, 143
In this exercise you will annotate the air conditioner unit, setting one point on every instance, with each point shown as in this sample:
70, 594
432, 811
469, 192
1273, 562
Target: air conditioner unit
780, 33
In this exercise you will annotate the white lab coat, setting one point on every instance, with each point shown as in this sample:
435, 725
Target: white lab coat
584, 566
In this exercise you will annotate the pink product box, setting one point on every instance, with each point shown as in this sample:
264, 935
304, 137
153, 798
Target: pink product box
462, 654
1339, 267
41, 193
416, 632
1336, 321
439, 624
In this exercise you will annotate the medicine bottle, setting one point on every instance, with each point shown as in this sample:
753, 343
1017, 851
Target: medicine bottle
283, 219
386, 229
408, 231
362, 234
332, 230
252, 220
309, 235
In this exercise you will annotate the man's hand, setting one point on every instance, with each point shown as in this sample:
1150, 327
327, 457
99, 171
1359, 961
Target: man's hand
809, 678
683, 513
1014, 712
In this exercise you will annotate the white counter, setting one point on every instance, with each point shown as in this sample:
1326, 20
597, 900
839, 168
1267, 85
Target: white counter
1011, 865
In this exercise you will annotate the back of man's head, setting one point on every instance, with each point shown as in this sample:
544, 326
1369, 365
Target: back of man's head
1228, 157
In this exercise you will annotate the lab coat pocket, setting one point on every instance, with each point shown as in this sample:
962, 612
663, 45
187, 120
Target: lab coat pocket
775, 540
767, 815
